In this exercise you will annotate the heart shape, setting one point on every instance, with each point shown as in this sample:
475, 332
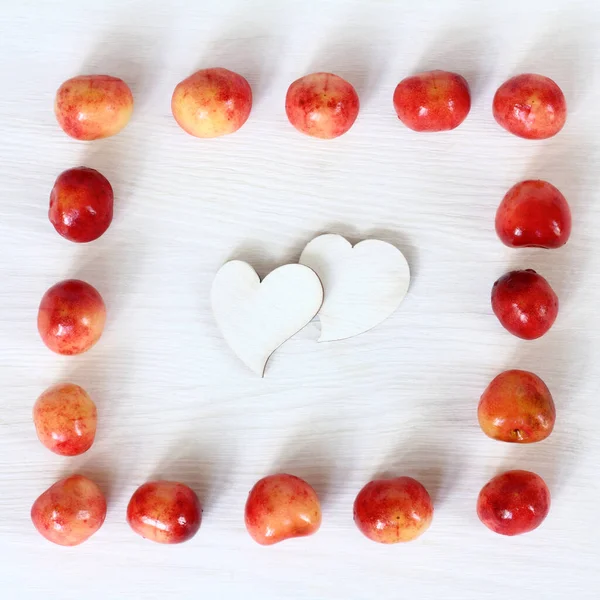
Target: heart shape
256, 317
363, 284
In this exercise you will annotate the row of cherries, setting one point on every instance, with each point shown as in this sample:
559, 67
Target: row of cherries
517, 405
281, 507
215, 102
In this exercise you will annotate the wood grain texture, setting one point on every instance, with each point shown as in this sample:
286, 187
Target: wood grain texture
174, 402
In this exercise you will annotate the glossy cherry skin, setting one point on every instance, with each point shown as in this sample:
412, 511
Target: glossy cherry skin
322, 105
389, 511
280, 507
71, 317
165, 512
81, 204
533, 214
432, 101
212, 102
70, 511
91, 107
525, 304
513, 503
517, 407
65, 419
530, 106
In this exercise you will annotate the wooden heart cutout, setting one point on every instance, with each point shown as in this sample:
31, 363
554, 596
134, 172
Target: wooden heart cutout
256, 317
363, 284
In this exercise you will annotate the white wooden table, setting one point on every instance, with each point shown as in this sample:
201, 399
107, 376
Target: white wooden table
173, 400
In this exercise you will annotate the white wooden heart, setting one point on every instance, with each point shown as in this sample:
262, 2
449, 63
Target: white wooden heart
256, 318
363, 284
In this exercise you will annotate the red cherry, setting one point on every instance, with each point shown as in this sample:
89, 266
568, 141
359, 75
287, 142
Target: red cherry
71, 317
530, 106
389, 511
513, 503
432, 101
166, 512
525, 304
533, 214
81, 204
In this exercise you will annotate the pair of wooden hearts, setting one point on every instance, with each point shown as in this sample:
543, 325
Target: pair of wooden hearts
352, 289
